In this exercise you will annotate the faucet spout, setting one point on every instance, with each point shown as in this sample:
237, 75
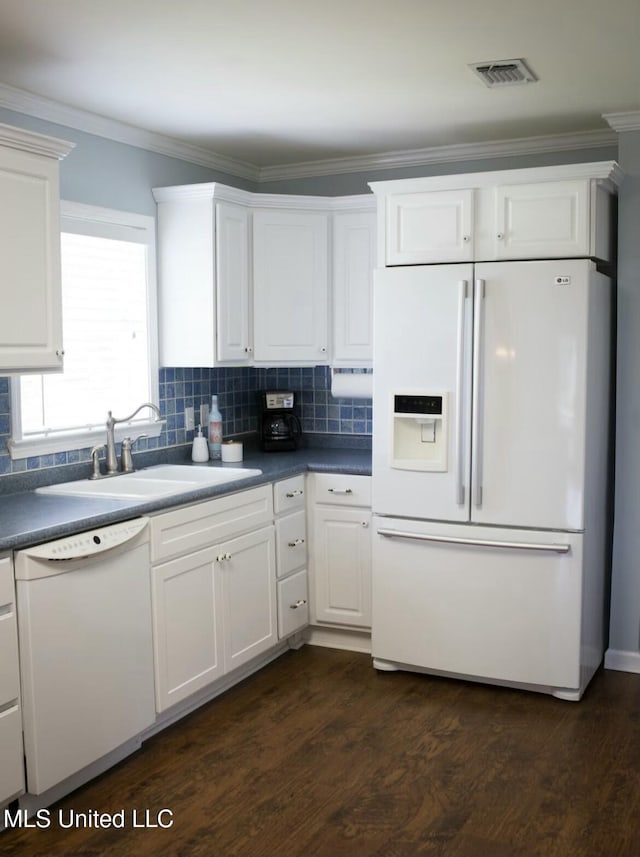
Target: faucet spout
111, 458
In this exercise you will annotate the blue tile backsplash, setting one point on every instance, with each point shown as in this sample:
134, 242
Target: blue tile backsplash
237, 390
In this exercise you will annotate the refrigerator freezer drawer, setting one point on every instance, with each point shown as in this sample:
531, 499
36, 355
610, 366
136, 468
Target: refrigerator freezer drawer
481, 602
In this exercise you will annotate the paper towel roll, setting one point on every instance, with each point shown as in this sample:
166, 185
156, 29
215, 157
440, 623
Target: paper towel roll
351, 385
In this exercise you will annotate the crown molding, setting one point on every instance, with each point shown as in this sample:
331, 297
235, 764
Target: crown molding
25, 102
623, 121
37, 144
442, 154
82, 120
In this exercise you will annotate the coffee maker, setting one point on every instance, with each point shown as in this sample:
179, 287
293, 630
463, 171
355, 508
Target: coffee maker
279, 428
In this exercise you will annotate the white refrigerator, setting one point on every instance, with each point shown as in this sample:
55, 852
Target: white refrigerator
490, 471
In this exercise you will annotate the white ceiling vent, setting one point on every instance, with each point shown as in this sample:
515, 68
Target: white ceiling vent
503, 72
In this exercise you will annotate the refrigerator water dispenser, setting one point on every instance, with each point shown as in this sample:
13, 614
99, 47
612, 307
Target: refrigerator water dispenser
419, 436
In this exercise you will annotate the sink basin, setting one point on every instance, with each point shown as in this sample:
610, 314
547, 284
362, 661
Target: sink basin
161, 480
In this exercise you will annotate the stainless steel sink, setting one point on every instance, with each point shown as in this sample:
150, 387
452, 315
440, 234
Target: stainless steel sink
161, 480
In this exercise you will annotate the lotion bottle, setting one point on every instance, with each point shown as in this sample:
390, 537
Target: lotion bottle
215, 430
200, 448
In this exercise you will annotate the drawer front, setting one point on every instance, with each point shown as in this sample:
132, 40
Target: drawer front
342, 489
293, 604
288, 494
9, 672
193, 527
291, 543
11, 754
7, 592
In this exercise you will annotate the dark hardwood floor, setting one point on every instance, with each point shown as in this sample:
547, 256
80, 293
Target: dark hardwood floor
320, 755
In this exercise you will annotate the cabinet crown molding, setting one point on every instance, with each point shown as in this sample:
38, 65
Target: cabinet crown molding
602, 170
37, 144
217, 192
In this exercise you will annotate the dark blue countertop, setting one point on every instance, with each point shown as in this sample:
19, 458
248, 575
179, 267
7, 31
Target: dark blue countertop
29, 518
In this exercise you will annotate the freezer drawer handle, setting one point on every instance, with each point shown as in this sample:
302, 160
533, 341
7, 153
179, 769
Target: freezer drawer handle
484, 543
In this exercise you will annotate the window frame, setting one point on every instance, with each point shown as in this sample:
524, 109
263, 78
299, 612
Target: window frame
84, 219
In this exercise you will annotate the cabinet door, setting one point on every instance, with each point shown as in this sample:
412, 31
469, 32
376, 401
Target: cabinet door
542, 220
290, 287
354, 247
11, 752
247, 567
434, 226
232, 283
30, 290
187, 633
342, 566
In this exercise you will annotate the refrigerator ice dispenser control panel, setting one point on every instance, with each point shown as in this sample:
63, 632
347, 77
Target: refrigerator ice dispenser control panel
419, 434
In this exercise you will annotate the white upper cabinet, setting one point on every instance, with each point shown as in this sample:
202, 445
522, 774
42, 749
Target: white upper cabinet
535, 213
203, 270
354, 249
290, 281
30, 286
428, 227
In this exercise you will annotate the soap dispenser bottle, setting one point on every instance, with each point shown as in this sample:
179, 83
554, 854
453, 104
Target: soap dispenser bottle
200, 449
215, 429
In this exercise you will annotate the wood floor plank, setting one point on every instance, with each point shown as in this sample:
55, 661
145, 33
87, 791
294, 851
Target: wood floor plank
318, 755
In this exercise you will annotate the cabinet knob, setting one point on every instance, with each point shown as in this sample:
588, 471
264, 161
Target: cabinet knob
295, 543
500, 236
323, 349
466, 238
222, 557
365, 524
299, 603
60, 352
248, 349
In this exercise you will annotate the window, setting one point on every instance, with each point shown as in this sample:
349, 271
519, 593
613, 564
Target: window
109, 326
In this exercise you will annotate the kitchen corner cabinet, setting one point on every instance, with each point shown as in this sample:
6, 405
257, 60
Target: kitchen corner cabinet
11, 752
533, 213
213, 586
354, 249
341, 550
290, 287
31, 317
204, 277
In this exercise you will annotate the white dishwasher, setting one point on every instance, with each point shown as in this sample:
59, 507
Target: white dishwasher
86, 656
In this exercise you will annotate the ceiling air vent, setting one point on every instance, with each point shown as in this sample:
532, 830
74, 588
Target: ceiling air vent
503, 72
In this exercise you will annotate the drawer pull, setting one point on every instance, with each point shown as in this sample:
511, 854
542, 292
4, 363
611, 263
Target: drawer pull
299, 603
339, 490
295, 543
291, 494
222, 557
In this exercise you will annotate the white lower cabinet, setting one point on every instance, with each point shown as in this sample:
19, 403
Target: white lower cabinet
341, 552
11, 749
291, 555
214, 606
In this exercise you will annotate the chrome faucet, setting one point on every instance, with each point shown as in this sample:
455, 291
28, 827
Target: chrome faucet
111, 458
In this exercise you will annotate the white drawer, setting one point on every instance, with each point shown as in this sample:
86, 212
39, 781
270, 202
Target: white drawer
7, 592
9, 671
11, 754
293, 604
182, 531
291, 543
288, 494
342, 489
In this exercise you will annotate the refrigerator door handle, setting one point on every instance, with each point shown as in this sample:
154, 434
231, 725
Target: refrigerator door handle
462, 297
485, 543
478, 314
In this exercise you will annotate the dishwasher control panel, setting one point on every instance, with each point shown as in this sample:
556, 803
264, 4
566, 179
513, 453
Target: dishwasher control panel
87, 544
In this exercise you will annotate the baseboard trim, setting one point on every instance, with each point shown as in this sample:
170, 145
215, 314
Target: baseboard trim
617, 659
339, 638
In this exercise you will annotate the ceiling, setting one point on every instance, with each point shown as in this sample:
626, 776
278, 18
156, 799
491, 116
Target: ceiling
281, 82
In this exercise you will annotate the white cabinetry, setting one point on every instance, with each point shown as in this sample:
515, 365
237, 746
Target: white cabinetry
291, 555
341, 550
213, 590
30, 290
11, 752
290, 278
354, 249
545, 212
204, 277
